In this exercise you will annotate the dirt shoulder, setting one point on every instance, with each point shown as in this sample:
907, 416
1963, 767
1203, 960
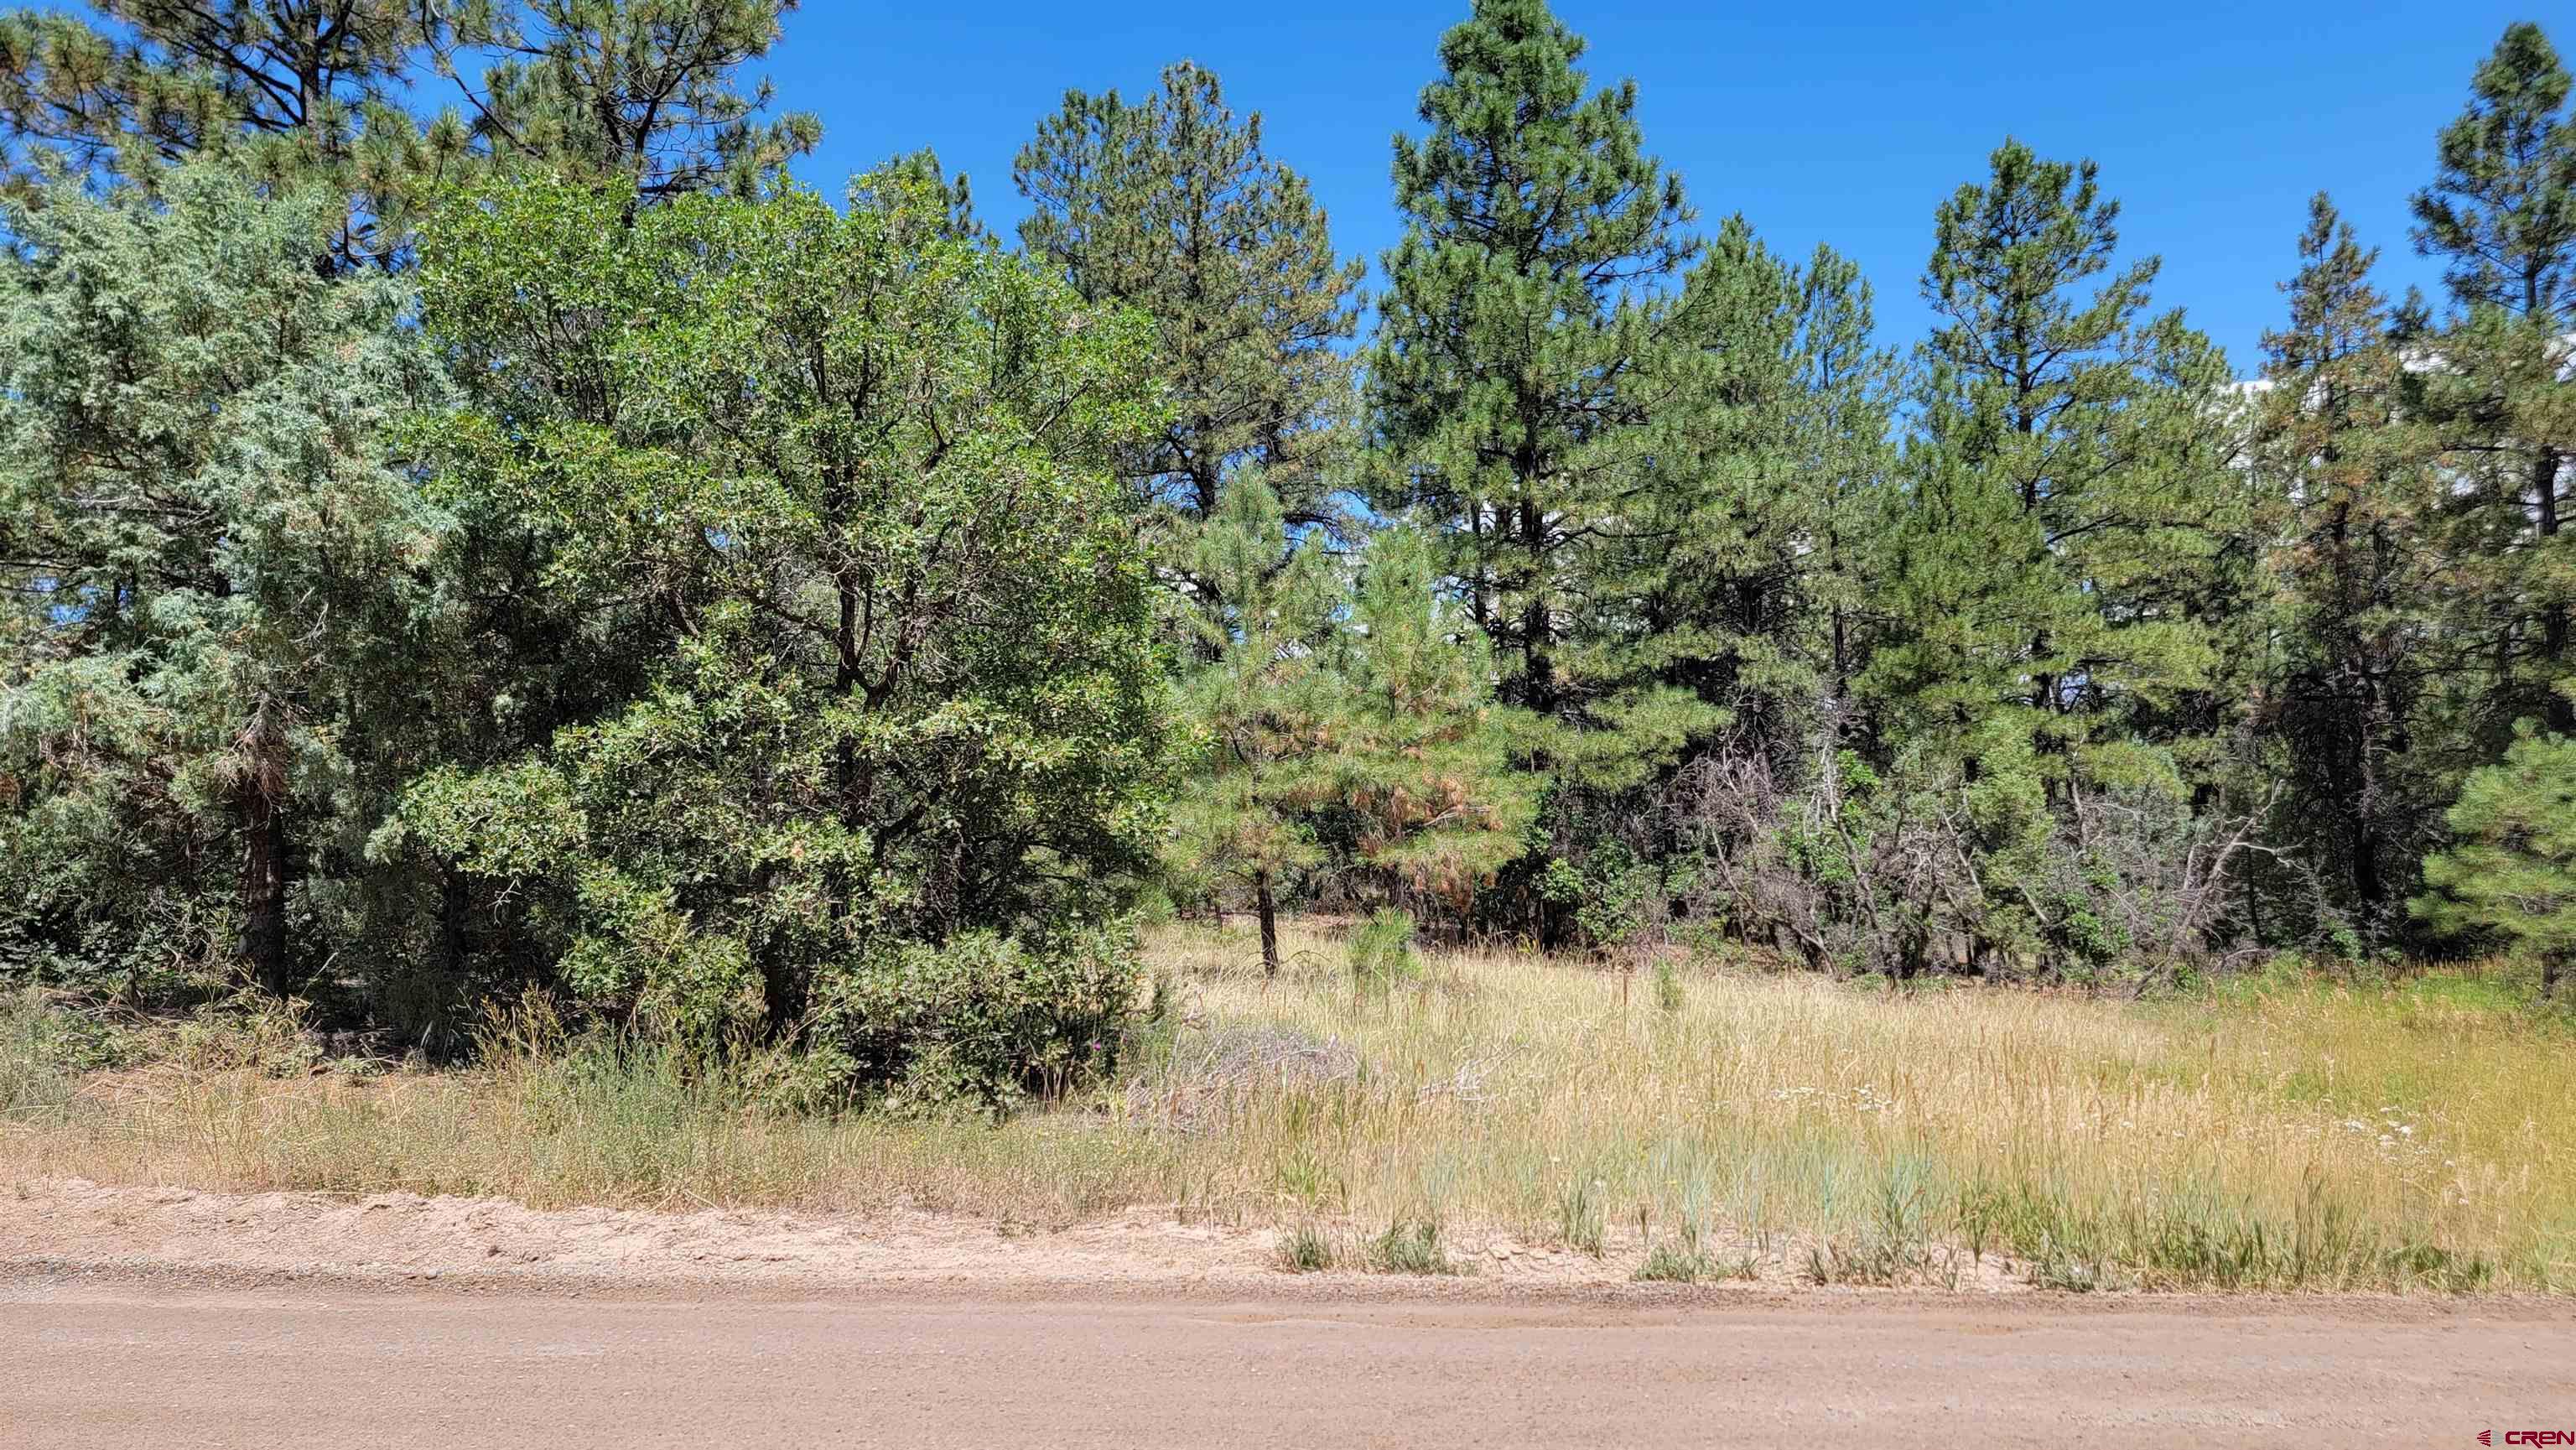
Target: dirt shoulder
59, 1230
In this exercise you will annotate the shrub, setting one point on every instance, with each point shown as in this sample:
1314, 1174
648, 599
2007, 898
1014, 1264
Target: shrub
981, 1020
1381, 949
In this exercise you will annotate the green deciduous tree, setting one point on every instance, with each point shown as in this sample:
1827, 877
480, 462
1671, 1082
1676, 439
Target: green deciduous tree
859, 468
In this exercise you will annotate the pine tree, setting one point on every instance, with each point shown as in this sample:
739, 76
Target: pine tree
2501, 212
1265, 708
2047, 572
2360, 573
1427, 770
339, 96
643, 91
1170, 206
2070, 436
1346, 721
170, 81
1503, 381
1735, 571
2510, 872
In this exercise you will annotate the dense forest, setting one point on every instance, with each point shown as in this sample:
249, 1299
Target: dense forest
472, 524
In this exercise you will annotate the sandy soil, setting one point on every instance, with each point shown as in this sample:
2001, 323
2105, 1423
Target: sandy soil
404, 1237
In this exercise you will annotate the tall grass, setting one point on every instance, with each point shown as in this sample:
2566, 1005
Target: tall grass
2290, 1134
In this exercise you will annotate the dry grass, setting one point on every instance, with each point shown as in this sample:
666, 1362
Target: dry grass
2289, 1135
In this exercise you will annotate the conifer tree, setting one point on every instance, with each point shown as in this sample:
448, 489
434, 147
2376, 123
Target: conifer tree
2067, 436
1347, 723
1505, 378
2501, 213
348, 97
1736, 571
2068, 487
2509, 874
1265, 708
1169, 205
213, 562
643, 91
1427, 773
2359, 570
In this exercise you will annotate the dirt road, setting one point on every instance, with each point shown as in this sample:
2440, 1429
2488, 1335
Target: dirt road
107, 1364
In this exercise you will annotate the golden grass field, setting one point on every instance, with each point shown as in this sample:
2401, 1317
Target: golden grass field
2276, 1133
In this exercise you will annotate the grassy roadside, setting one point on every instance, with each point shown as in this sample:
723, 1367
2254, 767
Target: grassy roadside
2282, 1133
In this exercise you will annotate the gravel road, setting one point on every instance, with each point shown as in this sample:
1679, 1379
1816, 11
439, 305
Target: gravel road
102, 1361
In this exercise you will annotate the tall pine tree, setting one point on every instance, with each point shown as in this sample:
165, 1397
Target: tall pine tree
2501, 214
1505, 378
2359, 570
1169, 205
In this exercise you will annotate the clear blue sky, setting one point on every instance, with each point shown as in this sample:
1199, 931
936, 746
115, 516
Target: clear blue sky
1836, 122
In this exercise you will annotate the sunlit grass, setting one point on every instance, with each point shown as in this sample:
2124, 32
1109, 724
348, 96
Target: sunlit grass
2274, 1133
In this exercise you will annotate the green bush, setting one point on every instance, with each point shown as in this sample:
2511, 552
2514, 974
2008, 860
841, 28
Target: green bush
1381, 949
982, 1020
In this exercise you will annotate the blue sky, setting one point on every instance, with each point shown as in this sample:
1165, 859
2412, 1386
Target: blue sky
1842, 123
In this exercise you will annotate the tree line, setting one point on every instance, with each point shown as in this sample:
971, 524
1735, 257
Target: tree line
473, 523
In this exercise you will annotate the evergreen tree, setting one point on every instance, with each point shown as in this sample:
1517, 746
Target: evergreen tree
333, 96
1734, 575
643, 91
1504, 380
215, 572
1170, 206
1347, 723
1426, 774
2048, 572
2510, 872
1266, 708
2501, 213
2354, 474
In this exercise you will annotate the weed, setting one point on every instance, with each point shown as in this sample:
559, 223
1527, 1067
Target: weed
1410, 1246
1580, 1223
1307, 1249
1668, 1263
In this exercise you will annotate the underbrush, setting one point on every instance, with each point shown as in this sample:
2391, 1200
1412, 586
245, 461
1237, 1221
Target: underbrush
2291, 1132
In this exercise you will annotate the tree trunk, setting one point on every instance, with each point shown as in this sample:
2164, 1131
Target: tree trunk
2561, 711
1269, 910
260, 803
455, 900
